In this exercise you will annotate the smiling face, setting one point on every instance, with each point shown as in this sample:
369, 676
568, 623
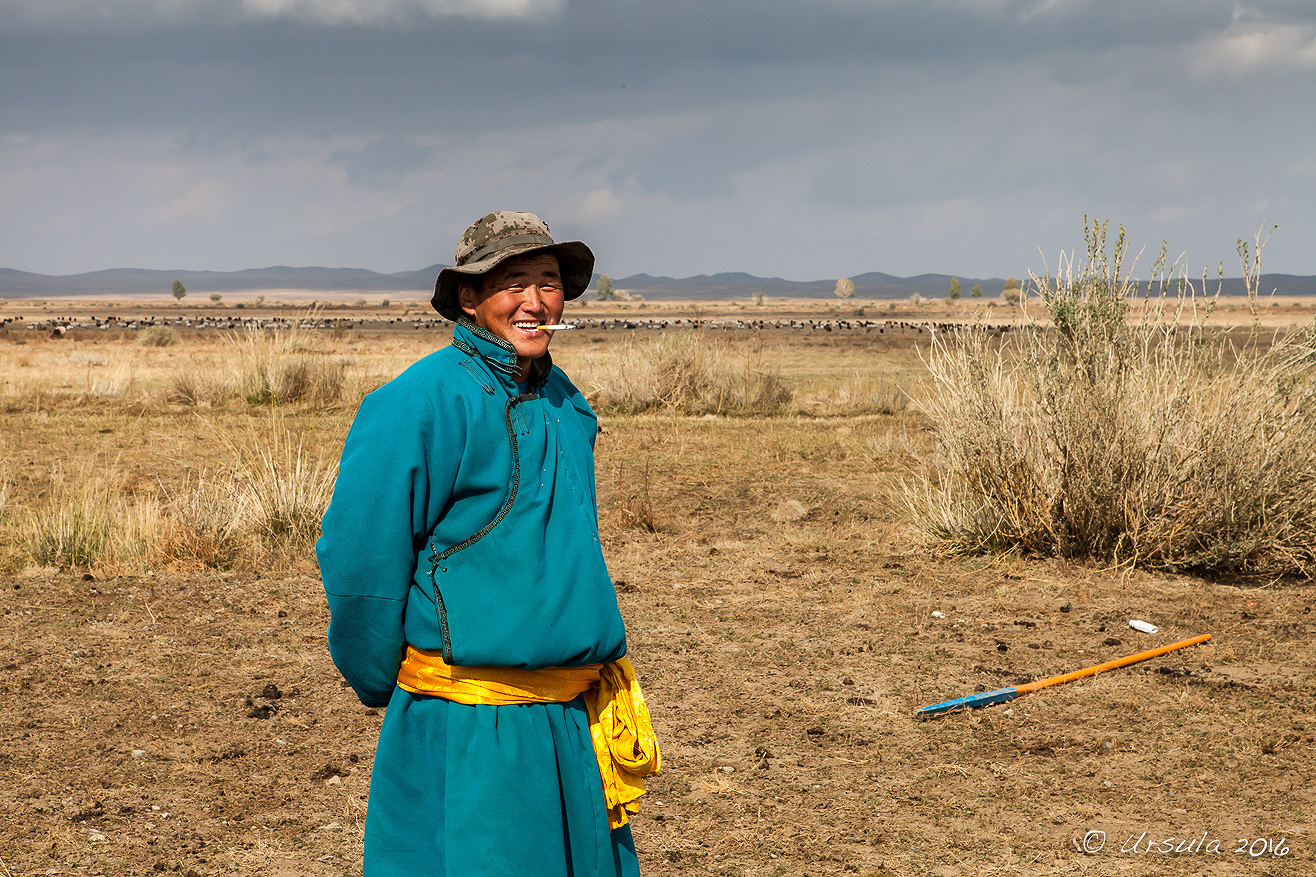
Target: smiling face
514, 298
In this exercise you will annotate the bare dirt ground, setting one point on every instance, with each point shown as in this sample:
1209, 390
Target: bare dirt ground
783, 619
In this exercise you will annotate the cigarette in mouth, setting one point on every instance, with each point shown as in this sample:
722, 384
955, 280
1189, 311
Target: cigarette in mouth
556, 326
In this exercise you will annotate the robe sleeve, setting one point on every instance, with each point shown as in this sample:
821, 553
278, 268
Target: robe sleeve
396, 474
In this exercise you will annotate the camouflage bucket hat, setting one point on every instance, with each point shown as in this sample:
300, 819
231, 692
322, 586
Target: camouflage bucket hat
499, 236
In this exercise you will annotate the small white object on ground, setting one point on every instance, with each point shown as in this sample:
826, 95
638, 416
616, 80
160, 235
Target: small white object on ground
938, 614
1142, 626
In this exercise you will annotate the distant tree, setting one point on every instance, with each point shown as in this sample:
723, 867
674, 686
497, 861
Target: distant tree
260, 299
179, 290
758, 298
603, 289
954, 293
845, 288
216, 297
1011, 291
976, 292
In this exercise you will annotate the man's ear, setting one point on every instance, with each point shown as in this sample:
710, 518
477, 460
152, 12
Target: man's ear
467, 297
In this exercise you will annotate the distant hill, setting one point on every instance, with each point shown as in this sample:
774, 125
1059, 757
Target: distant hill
139, 281
731, 285
873, 285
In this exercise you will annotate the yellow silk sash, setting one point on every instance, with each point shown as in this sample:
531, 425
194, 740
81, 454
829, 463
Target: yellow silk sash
624, 742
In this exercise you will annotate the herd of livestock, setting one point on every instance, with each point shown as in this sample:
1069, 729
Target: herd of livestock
61, 326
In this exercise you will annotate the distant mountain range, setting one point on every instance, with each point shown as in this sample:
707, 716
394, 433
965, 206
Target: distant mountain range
732, 285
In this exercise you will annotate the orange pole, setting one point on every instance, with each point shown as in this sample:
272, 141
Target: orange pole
1029, 687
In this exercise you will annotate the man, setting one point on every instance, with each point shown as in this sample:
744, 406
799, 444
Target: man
468, 593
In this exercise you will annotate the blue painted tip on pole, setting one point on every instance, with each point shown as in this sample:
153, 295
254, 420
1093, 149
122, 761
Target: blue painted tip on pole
973, 701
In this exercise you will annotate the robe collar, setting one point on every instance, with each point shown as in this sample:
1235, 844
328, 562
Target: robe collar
498, 354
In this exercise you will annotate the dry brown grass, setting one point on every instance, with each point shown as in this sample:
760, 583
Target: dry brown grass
261, 507
690, 372
281, 489
279, 366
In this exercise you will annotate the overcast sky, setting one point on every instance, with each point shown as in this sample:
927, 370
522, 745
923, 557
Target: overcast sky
804, 139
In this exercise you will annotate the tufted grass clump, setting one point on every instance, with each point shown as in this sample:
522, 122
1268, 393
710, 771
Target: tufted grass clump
76, 530
264, 367
264, 505
202, 526
283, 490
685, 372
279, 366
1127, 431
157, 336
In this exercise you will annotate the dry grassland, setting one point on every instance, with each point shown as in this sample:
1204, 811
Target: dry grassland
169, 706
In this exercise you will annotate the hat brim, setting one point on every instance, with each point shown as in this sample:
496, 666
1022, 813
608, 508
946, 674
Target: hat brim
575, 261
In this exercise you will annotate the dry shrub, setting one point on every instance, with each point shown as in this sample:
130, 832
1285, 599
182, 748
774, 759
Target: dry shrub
157, 336
202, 526
1127, 432
687, 372
281, 365
191, 384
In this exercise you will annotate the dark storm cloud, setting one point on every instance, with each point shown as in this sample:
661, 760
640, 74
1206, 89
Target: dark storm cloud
669, 56
625, 112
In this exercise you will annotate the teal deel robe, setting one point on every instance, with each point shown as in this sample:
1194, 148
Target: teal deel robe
464, 519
